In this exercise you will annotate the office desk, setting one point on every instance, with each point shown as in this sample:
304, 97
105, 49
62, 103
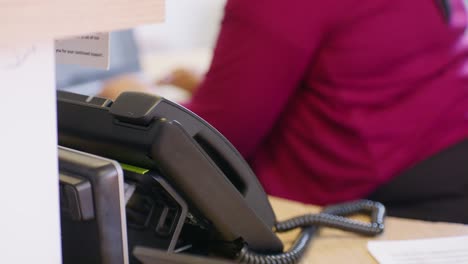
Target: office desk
333, 246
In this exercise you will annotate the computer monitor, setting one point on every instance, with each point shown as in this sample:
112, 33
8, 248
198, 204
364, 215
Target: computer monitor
92, 203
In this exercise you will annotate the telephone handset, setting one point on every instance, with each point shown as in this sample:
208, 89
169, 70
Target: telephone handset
206, 137
151, 132
201, 166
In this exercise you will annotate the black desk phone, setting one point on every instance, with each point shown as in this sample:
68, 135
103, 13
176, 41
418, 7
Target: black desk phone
193, 189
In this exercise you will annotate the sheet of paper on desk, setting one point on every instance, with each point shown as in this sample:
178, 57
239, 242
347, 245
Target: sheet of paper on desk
428, 251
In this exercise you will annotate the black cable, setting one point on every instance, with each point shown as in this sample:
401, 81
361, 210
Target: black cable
332, 216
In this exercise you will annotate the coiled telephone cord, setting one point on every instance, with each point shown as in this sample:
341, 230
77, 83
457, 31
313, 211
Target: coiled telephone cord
332, 216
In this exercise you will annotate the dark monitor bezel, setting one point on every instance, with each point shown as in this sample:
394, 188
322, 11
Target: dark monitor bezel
106, 178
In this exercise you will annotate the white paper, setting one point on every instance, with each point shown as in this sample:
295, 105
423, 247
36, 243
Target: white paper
29, 199
453, 250
88, 50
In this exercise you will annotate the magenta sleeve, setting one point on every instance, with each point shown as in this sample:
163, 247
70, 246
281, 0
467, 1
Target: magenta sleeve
256, 68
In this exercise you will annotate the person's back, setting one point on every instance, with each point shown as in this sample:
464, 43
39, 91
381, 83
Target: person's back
337, 97
343, 99
387, 89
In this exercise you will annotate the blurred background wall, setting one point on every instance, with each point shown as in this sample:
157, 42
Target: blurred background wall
189, 25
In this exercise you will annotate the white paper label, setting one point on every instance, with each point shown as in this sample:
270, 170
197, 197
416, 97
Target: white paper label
88, 50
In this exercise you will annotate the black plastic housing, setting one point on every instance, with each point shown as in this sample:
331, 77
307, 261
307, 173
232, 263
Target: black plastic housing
151, 132
96, 232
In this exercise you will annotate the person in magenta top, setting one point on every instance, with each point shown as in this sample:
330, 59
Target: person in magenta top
331, 100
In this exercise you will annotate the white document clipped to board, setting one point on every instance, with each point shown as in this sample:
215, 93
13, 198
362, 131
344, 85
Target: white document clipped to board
90, 50
452, 250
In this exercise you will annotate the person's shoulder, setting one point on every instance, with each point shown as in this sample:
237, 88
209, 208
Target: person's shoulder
297, 11
281, 5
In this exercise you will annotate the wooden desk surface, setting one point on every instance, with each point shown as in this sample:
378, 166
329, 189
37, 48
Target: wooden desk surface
333, 246
27, 21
